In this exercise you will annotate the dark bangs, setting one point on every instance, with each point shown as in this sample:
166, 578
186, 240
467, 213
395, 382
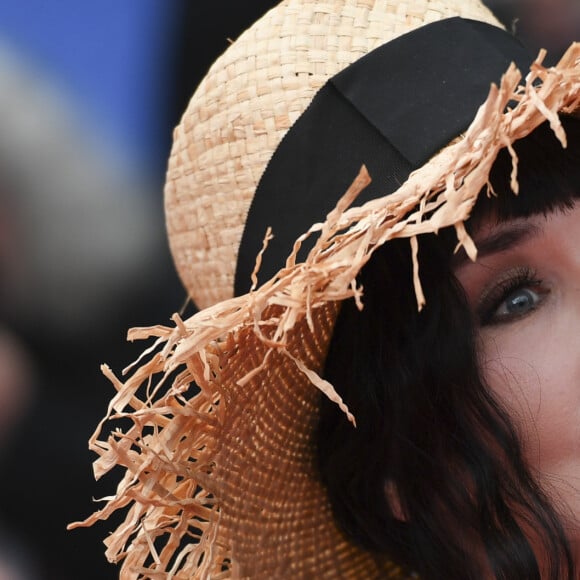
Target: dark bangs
548, 176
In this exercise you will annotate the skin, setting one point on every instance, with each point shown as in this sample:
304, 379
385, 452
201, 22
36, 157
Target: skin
524, 294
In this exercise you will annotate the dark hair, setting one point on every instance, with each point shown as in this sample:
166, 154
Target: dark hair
433, 476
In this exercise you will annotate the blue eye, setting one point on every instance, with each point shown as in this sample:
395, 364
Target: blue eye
518, 303
514, 296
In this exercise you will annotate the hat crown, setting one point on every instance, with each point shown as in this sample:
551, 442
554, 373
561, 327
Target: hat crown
246, 103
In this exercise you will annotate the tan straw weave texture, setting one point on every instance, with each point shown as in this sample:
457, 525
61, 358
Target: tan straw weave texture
242, 109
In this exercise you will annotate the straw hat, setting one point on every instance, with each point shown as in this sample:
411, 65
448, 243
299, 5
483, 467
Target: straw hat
222, 482
249, 99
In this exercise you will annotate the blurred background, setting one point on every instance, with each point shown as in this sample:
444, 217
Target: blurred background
89, 95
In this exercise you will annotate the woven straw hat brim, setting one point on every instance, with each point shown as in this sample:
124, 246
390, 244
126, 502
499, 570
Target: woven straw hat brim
245, 105
222, 483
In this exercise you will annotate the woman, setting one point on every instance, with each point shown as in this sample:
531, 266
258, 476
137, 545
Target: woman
476, 423
366, 407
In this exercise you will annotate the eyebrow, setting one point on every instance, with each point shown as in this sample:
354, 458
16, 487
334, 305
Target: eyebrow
505, 238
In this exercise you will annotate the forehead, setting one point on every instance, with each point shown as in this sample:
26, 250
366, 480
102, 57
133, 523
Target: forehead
554, 236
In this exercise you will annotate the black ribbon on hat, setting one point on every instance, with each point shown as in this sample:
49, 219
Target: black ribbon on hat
391, 110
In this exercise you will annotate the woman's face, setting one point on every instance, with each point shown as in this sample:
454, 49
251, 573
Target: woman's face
524, 293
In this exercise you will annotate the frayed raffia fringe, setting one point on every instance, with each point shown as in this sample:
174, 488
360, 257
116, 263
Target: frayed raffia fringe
167, 484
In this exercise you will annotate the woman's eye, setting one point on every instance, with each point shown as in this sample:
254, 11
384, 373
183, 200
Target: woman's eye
511, 299
518, 303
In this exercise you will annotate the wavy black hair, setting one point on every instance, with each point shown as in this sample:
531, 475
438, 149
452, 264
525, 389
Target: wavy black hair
433, 477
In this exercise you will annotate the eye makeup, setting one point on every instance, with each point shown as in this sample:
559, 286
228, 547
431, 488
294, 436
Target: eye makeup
515, 294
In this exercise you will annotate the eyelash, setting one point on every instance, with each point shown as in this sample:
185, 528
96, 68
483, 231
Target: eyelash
494, 297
